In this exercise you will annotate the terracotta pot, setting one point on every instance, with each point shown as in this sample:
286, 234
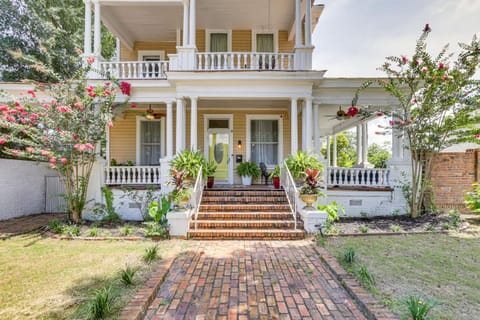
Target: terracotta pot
276, 182
210, 181
309, 199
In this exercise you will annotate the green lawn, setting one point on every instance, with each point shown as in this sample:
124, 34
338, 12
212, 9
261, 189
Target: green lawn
48, 278
440, 267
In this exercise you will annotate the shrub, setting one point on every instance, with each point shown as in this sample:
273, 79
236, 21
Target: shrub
349, 255
72, 230
151, 254
101, 304
395, 228
363, 228
93, 232
127, 275
472, 198
56, 226
126, 230
299, 162
454, 218
418, 308
110, 214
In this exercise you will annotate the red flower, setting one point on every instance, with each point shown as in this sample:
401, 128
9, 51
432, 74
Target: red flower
133, 106
4, 108
2, 141
476, 136
427, 28
90, 60
125, 87
64, 109
379, 114
32, 93
404, 59
442, 66
352, 111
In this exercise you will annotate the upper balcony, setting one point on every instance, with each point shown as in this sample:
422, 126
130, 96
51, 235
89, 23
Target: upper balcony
158, 36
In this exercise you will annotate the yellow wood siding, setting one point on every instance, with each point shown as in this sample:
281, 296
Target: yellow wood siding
132, 55
123, 139
241, 40
284, 45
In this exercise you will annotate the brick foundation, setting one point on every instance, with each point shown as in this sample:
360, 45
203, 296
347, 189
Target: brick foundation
453, 174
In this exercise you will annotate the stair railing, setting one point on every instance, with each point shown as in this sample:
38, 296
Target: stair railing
290, 189
197, 193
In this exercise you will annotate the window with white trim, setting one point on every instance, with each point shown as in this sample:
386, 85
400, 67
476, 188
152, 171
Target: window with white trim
264, 141
150, 142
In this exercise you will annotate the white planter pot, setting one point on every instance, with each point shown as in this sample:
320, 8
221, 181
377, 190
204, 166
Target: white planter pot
246, 181
178, 221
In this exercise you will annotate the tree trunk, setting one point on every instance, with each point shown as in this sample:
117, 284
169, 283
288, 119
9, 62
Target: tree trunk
76, 216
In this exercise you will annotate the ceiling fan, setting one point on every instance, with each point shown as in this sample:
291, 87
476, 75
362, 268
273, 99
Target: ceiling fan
340, 115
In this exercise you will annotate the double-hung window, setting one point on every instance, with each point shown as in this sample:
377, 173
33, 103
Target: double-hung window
150, 142
265, 137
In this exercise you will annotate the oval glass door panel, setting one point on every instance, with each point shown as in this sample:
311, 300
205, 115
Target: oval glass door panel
218, 152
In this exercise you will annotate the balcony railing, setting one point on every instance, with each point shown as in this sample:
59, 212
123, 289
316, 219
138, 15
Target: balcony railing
355, 177
212, 61
132, 175
135, 69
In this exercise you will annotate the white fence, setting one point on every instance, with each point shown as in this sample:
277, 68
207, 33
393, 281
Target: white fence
365, 177
244, 61
132, 175
135, 69
23, 189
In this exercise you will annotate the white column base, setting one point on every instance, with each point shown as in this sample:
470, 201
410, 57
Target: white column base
186, 58
179, 221
303, 58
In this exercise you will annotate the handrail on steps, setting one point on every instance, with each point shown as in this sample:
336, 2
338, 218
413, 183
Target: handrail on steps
197, 194
290, 190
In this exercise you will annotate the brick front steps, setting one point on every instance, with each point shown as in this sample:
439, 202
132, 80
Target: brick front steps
260, 214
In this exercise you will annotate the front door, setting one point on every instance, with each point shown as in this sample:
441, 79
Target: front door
219, 148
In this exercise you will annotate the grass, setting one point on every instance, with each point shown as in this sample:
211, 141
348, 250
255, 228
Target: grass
43, 278
444, 268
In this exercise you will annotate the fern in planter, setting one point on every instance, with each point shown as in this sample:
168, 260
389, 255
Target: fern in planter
189, 162
248, 170
299, 162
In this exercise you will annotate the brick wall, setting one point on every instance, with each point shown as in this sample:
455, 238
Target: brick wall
453, 174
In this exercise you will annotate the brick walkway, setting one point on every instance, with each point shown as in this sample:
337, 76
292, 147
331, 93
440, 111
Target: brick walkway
251, 280
24, 224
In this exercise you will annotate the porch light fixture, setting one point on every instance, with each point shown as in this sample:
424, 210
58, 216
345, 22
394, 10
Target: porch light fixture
239, 145
149, 115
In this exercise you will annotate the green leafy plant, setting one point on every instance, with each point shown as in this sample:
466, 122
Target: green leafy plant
472, 198
275, 172
332, 209
363, 228
419, 308
312, 182
395, 228
349, 255
142, 198
154, 229
151, 254
127, 275
56, 226
71, 230
365, 277
210, 169
126, 230
301, 161
101, 304
110, 214
248, 169
93, 232
158, 211
190, 163
454, 218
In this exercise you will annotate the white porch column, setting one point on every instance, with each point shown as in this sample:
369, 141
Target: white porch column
193, 124
184, 125
359, 145
334, 151
193, 24
316, 129
294, 126
365, 163
87, 43
179, 132
185, 23
308, 23
298, 23
117, 49
97, 37
304, 127
169, 129
309, 122
329, 157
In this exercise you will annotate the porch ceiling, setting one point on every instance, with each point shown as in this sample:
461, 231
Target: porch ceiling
158, 20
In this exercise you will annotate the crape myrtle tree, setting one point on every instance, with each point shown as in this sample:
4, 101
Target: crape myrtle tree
66, 130
438, 102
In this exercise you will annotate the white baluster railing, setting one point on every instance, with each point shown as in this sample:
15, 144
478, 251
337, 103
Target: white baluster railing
290, 189
364, 177
211, 61
135, 69
140, 175
197, 193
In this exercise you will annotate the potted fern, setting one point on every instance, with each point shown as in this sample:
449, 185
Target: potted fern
248, 170
189, 162
299, 162
275, 176
209, 171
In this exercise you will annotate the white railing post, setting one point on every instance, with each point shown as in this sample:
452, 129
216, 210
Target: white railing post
197, 193
290, 189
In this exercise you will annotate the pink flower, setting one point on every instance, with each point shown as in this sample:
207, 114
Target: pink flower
424, 70
476, 136
89, 88
414, 100
29, 149
89, 146
107, 92
44, 153
53, 160
52, 166
133, 106
64, 109
378, 132
92, 94
31, 92
46, 105
125, 87
404, 59
110, 124
90, 60
80, 147
4, 108
352, 111
379, 114
63, 160
442, 66
107, 84
74, 136
391, 122
78, 105
2, 141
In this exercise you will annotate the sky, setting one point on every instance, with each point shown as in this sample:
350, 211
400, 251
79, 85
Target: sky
353, 37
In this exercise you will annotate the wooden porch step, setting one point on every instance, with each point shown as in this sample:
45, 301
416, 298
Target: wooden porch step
254, 234
244, 207
244, 224
252, 215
